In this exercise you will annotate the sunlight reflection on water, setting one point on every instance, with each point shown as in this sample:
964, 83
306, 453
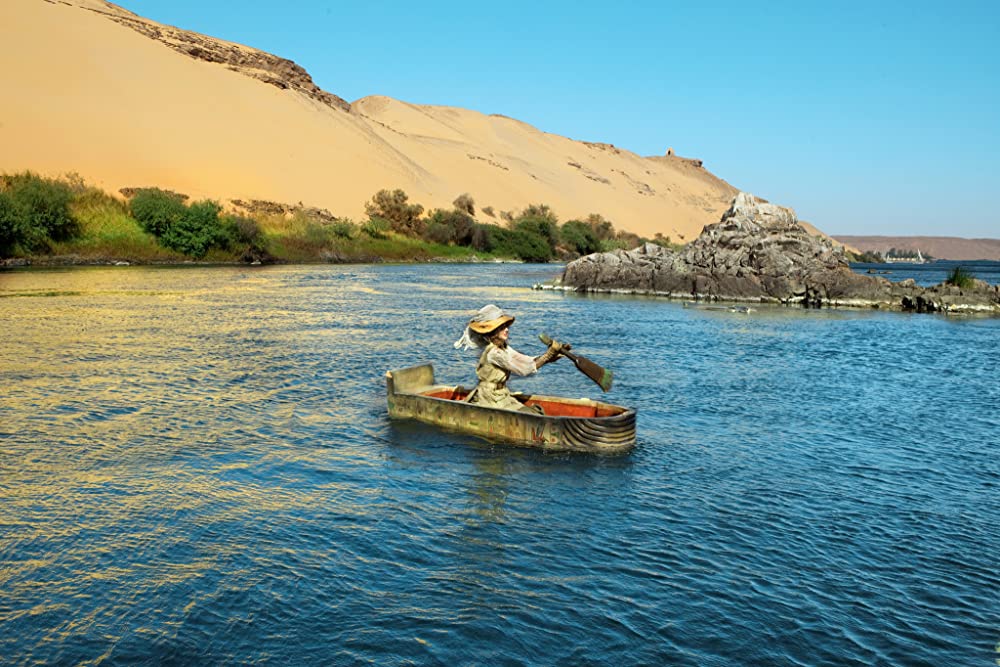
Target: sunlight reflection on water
197, 467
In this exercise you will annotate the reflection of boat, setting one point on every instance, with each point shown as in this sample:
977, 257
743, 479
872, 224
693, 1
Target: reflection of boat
577, 424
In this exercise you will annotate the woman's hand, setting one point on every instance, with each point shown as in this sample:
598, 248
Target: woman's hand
550, 355
559, 347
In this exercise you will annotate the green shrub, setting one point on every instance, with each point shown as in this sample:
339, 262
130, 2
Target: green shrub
319, 237
393, 208
11, 225
961, 278
37, 211
108, 231
482, 239
242, 231
437, 232
245, 238
519, 243
157, 210
531, 248
539, 211
376, 228
196, 231
579, 237
446, 227
191, 230
866, 257
344, 228
661, 240
608, 245
541, 227
538, 220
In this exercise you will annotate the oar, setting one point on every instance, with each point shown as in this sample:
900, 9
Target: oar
602, 376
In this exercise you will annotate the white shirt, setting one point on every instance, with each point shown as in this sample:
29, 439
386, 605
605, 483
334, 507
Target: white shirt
511, 360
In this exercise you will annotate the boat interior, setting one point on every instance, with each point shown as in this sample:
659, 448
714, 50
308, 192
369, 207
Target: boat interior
552, 406
419, 381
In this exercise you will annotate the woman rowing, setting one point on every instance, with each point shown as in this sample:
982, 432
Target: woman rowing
489, 330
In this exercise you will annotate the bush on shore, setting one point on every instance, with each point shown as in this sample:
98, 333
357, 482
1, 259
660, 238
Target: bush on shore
11, 225
961, 278
519, 243
109, 232
65, 217
34, 213
446, 227
157, 210
392, 207
579, 237
533, 234
377, 228
195, 229
244, 238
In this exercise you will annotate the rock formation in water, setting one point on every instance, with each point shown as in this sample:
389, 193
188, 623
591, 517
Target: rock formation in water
759, 252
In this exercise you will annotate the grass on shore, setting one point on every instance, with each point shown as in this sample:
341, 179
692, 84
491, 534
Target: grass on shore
64, 221
960, 278
297, 238
107, 231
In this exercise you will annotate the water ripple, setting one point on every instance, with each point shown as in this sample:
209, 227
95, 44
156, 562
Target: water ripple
197, 468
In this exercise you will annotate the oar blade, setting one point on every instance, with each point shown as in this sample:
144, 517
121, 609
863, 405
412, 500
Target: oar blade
602, 376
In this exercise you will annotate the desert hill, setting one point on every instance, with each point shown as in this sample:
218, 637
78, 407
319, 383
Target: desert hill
91, 88
939, 247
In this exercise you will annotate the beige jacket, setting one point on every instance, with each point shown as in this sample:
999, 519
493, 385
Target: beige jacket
494, 369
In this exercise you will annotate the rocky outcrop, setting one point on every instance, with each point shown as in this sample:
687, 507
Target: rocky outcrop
263, 207
759, 252
271, 69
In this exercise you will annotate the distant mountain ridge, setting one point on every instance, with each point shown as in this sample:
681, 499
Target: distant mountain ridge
126, 102
938, 247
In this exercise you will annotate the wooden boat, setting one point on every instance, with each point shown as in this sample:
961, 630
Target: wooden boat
572, 424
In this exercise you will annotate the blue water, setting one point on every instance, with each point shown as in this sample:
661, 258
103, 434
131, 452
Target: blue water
196, 467
932, 273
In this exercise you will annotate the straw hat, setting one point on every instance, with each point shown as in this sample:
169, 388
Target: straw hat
489, 319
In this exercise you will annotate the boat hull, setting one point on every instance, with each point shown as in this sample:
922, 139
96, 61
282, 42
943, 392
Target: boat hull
570, 424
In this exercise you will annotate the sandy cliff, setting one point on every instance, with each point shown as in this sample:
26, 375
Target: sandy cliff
89, 87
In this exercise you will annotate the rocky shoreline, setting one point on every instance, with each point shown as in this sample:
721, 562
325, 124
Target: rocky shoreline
759, 253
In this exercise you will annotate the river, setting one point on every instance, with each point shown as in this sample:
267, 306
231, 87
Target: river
931, 273
196, 466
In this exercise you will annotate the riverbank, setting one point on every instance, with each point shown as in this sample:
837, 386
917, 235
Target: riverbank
63, 221
42, 261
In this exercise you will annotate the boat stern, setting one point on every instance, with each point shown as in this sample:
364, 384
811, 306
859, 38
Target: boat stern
411, 380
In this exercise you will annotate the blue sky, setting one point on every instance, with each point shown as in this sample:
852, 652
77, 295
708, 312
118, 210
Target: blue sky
866, 117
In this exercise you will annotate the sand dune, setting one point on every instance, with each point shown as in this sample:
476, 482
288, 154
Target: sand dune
90, 88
